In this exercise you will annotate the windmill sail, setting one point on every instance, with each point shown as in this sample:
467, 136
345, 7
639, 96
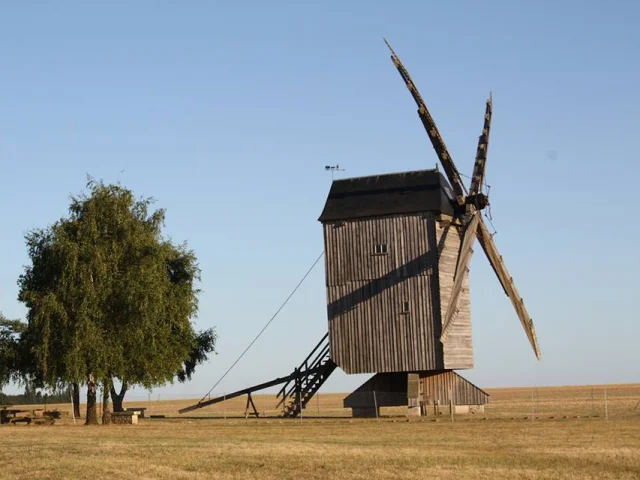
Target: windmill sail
432, 130
481, 154
495, 259
473, 203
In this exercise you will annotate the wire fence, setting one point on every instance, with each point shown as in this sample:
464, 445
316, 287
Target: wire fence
604, 403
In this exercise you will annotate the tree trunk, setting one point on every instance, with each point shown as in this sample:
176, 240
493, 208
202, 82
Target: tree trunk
92, 407
106, 411
118, 398
76, 400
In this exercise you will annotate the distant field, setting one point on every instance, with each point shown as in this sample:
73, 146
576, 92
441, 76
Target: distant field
569, 438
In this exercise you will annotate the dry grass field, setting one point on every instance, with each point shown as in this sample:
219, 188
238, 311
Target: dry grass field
569, 438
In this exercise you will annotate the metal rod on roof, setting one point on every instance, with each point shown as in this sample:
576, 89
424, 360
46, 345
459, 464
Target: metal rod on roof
333, 169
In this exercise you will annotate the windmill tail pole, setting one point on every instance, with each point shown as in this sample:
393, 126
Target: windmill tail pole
191, 408
246, 391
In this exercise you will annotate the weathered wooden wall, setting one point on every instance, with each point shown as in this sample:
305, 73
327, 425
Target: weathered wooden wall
445, 385
391, 389
350, 248
457, 346
368, 331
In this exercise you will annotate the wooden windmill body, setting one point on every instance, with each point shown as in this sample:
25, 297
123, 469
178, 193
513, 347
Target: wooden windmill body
397, 250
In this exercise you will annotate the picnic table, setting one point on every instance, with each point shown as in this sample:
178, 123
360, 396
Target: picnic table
6, 413
139, 410
10, 415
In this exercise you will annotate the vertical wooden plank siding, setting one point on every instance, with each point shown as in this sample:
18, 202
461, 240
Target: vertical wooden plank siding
368, 331
434, 386
365, 292
437, 386
458, 346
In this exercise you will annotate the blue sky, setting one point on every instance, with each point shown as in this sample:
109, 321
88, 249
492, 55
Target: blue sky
228, 113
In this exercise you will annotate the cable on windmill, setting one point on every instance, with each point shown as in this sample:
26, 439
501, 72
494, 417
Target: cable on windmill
265, 326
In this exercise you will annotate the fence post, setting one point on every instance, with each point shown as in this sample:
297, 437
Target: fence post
451, 403
606, 406
375, 405
533, 406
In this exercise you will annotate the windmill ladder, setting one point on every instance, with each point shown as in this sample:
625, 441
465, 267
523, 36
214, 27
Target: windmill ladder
299, 386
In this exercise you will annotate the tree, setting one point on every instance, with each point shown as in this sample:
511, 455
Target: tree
204, 344
75, 399
10, 349
108, 296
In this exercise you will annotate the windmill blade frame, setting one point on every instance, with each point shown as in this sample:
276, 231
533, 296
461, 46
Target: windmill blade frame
432, 131
495, 259
477, 178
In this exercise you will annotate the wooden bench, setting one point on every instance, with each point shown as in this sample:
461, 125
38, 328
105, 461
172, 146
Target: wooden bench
124, 418
26, 420
6, 413
37, 416
44, 421
139, 410
55, 414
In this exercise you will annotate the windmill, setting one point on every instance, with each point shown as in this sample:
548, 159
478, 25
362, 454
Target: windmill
398, 248
397, 253
469, 204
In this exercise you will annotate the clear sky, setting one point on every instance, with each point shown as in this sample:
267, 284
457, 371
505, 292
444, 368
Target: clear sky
227, 113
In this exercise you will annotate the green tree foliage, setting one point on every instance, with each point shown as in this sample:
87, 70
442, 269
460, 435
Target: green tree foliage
10, 349
108, 296
205, 343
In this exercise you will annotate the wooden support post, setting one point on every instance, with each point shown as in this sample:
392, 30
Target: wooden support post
375, 405
253, 405
533, 407
298, 399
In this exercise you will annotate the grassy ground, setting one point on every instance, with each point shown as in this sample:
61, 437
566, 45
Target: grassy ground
578, 442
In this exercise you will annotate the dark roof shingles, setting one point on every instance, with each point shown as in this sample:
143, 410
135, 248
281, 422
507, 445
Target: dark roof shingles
390, 194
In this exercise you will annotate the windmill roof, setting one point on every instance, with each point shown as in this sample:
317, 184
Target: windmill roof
389, 194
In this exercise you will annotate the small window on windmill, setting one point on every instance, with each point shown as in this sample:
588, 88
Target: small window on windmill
380, 249
404, 308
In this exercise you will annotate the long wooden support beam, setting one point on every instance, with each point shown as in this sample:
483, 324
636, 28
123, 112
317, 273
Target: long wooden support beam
262, 386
